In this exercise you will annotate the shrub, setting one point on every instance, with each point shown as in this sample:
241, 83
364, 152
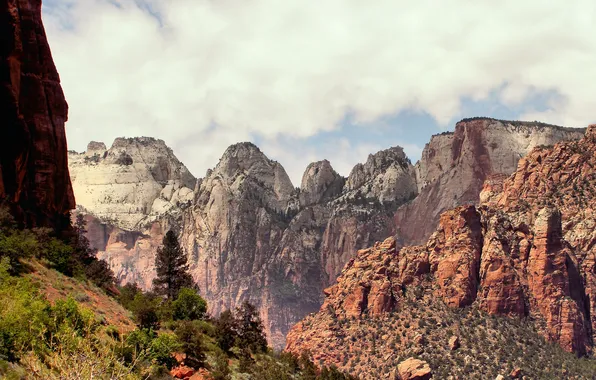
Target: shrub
189, 305
145, 311
163, 346
191, 339
221, 369
225, 331
249, 328
127, 294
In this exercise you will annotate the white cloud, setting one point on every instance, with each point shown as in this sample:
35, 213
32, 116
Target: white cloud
295, 68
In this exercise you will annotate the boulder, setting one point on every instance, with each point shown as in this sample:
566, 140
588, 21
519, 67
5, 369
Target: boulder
414, 369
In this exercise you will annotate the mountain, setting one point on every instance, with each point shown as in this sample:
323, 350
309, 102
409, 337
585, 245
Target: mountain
527, 252
34, 177
131, 194
454, 166
250, 234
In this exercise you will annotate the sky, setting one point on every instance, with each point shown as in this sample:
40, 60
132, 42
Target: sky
309, 80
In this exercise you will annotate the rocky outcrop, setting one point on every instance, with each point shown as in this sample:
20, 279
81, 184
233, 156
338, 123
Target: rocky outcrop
454, 166
34, 175
528, 250
413, 369
130, 185
320, 183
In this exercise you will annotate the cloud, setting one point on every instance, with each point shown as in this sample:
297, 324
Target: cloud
206, 73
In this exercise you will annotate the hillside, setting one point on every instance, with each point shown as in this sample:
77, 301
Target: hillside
526, 253
59, 320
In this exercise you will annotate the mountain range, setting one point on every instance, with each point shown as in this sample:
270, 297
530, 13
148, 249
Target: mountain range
251, 235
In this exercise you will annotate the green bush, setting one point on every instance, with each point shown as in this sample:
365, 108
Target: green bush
191, 338
189, 305
163, 346
145, 309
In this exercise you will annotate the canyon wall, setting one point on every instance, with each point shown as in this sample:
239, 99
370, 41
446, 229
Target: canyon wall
34, 177
529, 250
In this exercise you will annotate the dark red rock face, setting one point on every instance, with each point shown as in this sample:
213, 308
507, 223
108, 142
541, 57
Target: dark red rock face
34, 176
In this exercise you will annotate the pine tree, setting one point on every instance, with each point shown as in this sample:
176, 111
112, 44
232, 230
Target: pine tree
250, 328
171, 266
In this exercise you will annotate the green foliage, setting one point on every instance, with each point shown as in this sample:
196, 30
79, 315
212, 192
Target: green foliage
69, 253
189, 305
221, 369
171, 266
162, 347
191, 338
145, 309
249, 328
225, 331
16, 245
127, 294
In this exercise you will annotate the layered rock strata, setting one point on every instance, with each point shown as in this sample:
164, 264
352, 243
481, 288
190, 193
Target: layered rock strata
34, 175
527, 251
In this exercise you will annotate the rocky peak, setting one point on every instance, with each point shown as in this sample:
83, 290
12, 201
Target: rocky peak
134, 181
95, 147
246, 161
454, 166
320, 182
387, 176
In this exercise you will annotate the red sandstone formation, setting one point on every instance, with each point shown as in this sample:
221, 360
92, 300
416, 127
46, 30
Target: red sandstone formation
34, 175
529, 250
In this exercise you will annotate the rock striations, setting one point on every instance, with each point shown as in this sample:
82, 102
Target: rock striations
454, 166
251, 235
527, 251
34, 175
131, 194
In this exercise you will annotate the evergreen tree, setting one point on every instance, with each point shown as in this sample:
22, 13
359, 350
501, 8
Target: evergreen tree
171, 266
225, 331
250, 328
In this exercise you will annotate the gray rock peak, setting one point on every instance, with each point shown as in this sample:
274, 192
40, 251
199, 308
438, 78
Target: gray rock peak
245, 160
95, 147
320, 182
387, 175
375, 165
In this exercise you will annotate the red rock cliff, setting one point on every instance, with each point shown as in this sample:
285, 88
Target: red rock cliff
528, 251
34, 176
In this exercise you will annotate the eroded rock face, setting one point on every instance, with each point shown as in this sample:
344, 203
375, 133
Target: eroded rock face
320, 183
454, 166
527, 251
131, 195
34, 174
387, 176
132, 184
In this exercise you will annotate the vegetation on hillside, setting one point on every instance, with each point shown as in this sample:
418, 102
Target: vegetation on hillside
52, 325
488, 345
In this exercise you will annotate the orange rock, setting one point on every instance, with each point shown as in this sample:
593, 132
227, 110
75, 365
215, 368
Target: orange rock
182, 372
515, 373
458, 259
414, 369
201, 374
